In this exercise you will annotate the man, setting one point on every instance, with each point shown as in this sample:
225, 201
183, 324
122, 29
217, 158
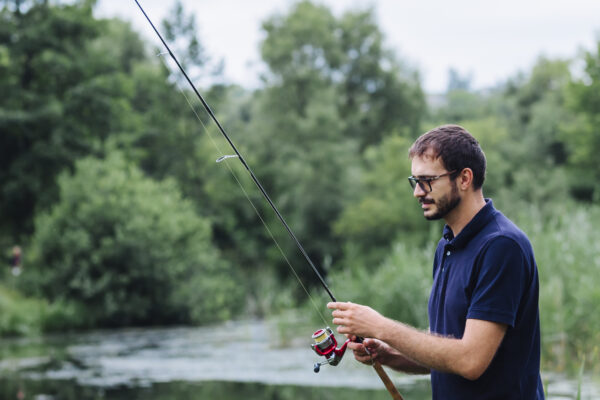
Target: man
484, 335
15, 261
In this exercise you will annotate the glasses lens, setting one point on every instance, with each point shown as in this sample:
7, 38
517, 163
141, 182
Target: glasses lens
413, 182
424, 184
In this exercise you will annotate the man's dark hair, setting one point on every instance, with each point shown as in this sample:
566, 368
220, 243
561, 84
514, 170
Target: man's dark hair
456, 147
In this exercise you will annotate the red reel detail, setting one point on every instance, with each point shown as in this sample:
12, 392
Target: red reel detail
326, 345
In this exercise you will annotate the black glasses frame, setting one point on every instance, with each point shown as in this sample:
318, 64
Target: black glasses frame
414, 181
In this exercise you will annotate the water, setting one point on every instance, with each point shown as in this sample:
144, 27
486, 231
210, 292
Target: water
247, 359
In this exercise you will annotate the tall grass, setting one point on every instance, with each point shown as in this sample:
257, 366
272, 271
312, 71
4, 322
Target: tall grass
398, 288
19, 316
30, 316
567, 251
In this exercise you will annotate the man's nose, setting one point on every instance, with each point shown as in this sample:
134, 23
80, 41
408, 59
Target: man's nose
418, 191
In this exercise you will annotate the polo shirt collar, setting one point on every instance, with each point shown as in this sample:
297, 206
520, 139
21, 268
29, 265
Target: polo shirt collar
476, 224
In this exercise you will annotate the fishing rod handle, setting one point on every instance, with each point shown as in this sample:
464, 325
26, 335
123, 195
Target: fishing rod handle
382, 374
387, 381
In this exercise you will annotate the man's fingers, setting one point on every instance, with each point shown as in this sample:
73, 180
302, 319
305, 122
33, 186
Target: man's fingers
371, 345
363, 359
355, 346
338, 305
337, 313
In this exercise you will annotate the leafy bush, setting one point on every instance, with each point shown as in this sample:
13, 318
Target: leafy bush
386, 209
567, 256
18, 315
398, 288
128, 250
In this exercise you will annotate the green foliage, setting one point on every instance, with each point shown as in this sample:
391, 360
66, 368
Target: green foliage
65, 315
63, 95
386, 211
547, 78
31, 316
582, 136
116, 241
181, 32
461, 105
519, 126
310, 50
540, 113
19, 315
398, 287
332, 90
567, 258
128, 250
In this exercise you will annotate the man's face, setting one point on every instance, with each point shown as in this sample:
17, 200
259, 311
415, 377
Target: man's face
444, 195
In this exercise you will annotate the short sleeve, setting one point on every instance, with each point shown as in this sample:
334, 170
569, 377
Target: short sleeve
499, 284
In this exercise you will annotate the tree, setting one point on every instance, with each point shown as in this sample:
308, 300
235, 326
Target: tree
181, 33
331, 90
457, 81
532, 112
129, 250
582, 137
309, 48
70, 84
386, 210
64, 93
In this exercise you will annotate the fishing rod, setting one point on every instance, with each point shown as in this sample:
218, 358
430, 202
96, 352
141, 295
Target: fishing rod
237, 153
325, 342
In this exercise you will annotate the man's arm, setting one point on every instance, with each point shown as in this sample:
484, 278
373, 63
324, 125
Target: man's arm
468, 356
386, 355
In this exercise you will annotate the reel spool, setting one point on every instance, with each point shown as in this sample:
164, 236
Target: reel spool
325, 345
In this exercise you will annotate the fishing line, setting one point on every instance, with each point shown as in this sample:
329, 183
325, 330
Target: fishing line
234, 175
242, 160
380, 371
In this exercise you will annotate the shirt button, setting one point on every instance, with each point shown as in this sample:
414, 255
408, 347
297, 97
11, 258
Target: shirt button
448, 253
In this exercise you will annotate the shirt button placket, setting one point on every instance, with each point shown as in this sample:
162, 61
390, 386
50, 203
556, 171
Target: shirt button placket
448, 253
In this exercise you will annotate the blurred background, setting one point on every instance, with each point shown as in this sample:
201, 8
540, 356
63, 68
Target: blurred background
136, 266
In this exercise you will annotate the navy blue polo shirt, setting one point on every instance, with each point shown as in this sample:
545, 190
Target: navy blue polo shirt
488, 272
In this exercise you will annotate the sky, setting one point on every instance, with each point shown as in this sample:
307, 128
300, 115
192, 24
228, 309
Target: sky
490, 41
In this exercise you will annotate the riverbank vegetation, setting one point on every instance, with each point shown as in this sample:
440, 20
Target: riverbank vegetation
109, 183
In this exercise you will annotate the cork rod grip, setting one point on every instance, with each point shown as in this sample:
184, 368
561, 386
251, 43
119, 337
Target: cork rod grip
387, 381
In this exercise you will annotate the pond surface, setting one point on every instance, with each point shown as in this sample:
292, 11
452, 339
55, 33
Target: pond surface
247, 359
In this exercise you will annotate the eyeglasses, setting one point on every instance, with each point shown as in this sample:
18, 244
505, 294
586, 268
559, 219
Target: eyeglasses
413, 180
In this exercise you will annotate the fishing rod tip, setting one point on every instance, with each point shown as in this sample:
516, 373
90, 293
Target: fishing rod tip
222, 158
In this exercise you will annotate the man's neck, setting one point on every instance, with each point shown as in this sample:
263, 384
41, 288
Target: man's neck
470, 204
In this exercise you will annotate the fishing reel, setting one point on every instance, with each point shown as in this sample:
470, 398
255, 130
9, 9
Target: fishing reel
325, 345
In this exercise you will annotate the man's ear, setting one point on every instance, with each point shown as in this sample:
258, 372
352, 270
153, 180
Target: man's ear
465, 179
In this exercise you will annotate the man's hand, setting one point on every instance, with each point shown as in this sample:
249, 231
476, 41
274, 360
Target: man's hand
369, 350
355, 319
385, 354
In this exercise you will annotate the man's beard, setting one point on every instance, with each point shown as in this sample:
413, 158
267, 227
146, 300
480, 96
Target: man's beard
445, 204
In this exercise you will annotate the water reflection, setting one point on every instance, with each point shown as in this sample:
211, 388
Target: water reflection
69, 390
237, 359
242, 352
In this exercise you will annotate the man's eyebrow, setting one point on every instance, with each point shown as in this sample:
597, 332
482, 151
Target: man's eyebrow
424, 176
